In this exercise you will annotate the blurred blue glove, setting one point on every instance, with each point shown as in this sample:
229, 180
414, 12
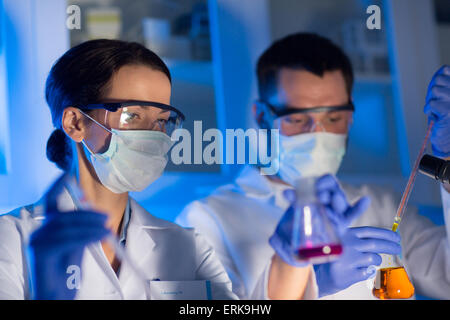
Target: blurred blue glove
437, 108
361, 251
58, 244
361, 245
281, 240
340, 212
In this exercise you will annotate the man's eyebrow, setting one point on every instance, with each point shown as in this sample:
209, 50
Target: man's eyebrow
333, 111
314, 109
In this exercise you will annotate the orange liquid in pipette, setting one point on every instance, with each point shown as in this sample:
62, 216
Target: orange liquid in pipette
411, 180
396, 223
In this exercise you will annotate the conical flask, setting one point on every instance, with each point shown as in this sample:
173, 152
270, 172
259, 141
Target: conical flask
315, 238
391, 280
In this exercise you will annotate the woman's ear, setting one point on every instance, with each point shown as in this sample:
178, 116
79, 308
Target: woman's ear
73, 124
260, 115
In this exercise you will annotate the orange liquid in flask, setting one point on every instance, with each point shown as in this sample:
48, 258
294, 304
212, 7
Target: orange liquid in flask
393, 283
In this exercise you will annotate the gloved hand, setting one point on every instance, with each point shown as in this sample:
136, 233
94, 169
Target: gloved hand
281, 240
361, 245
332, 197
437, 108
339, 210
361, 251
58, 244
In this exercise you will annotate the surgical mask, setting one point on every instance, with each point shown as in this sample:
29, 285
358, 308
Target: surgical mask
134, 159
310, 155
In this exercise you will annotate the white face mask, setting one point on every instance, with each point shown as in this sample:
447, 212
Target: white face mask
134, 159
310, 155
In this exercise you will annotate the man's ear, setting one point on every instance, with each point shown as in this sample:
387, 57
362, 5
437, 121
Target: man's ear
73, 123
260, 115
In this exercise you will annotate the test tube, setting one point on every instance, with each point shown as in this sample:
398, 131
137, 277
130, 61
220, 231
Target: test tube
80, 202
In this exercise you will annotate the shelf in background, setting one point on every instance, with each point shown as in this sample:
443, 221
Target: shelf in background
385, 79
193, 71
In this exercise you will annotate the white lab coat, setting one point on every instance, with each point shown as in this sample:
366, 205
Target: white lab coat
162, 250
239, 218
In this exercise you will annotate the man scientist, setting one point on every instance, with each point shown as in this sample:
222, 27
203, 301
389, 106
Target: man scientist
305, 86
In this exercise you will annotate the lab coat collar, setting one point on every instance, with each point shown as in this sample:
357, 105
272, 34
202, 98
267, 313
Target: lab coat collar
145, 220
251, 182
140, 235
256, 185
142, 243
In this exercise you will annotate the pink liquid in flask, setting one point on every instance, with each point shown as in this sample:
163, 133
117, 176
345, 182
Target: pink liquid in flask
328, 250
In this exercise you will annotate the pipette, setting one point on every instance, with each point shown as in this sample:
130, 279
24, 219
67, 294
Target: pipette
411, 180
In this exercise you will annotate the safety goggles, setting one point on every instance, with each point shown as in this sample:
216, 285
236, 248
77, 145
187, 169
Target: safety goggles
138, 115
291, 121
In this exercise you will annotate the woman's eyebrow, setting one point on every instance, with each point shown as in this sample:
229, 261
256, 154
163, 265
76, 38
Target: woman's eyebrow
133, 107
147, 106
163, 111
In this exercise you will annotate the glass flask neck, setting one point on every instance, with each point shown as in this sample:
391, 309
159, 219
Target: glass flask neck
390, 261
314, 237
306, 190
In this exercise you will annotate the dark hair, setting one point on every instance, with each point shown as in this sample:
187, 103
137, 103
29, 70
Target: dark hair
303, 51
81, 76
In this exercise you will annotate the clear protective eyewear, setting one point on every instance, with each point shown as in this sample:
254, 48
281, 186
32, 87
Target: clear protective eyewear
139, 115
291, 121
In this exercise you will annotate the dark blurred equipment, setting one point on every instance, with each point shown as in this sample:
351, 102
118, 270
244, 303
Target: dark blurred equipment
435, 168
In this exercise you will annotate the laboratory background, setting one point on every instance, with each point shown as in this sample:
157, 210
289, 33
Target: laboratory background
211, 48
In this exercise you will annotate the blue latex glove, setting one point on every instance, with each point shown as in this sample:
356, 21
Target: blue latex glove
331, 196
361, 245
437, 108
58, 244
361, 251
339, 210
281, 240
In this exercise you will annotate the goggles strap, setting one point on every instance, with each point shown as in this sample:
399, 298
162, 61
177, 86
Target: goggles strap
89, 149
98, 123
101, 126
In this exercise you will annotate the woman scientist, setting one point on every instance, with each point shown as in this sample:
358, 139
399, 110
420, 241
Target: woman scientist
109, 102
